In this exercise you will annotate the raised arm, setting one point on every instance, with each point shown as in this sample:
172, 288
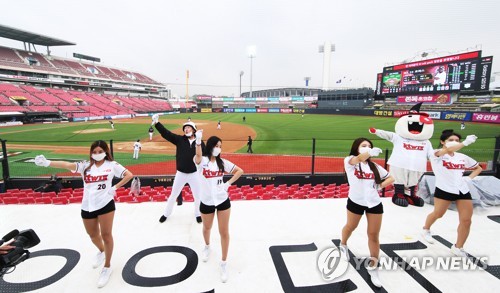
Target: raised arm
387, 135
126, 178
199, 151
470, 139
362, 157
237, 172
165, 133
43, 162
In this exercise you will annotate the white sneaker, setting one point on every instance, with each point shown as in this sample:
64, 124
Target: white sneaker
426, 234
223, 271
458, 251
104, 277
205, 253
99, 259
373, 272
344, 251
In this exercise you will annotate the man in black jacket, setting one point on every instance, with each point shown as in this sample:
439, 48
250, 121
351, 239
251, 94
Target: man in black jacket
186, 169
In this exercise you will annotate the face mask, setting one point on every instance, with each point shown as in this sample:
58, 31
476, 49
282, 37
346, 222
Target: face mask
451, 143
189, 134
216, 152
363, 150
98, 157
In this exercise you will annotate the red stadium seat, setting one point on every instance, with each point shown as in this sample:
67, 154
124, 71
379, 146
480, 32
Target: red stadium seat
75, 199
11, 200
49, 194
64, 193
142, 198
126, 198
60, 200
27, 200
159, 198
43, 200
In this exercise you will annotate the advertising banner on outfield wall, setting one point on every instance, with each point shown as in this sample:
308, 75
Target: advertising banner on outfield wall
228, 110
384, 113
434, 115
461, 116
250, 110
399, 113
298, 111
262, 110
285, 110
217, 110
206, 110
274, 110
429, 99
239, 110
486, 117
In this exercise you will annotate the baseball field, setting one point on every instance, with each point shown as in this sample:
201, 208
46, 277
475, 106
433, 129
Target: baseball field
282, 142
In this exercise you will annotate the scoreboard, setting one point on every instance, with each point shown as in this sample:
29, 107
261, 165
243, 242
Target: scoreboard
461, 72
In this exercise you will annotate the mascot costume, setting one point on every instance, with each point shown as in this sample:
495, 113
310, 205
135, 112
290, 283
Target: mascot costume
412, 148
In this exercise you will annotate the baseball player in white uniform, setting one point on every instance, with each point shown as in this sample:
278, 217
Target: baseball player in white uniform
151, 131
214, 196
451, 185
137, 148
98, 204
365, 179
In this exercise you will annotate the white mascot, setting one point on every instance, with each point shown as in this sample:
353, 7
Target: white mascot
412, 148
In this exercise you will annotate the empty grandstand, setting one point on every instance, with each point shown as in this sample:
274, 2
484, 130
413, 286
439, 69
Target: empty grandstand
46, 86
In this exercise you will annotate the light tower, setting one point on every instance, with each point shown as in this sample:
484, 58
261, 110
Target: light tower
326, 49
252, 53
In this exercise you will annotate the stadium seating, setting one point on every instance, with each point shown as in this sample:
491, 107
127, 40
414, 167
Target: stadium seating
160, 194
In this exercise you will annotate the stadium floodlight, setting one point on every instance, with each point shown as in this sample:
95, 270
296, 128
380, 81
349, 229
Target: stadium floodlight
252, 53
326, 49
241, 74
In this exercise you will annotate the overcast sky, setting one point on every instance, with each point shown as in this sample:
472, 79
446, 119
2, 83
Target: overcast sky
163, 39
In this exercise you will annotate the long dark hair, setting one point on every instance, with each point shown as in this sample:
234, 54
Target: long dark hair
446, 134
104, 147
354, 152
209, 147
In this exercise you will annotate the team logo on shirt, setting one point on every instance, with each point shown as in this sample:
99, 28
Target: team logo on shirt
452, 166
211, 174
411, 147
99, 178
363, 175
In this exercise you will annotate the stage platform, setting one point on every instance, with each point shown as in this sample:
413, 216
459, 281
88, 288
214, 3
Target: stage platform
274, 247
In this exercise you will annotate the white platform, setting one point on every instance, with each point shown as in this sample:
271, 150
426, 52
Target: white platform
255, 226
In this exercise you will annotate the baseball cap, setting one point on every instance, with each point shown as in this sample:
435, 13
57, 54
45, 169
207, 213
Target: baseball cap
189, 124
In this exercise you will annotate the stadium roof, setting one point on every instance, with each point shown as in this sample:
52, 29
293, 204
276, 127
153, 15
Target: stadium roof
32, 38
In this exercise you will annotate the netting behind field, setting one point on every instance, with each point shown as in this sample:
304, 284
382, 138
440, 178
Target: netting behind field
158, 159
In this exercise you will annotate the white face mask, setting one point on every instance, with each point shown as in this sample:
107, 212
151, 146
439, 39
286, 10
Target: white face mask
451, 143
216, 152
363, 150
189, 134
98, 157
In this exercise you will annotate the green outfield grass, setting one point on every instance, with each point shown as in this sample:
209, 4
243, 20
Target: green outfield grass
276, 134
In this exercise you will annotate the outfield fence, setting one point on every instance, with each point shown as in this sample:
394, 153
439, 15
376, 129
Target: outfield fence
17, 158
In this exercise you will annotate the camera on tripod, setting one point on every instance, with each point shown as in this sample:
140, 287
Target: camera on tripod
22, 242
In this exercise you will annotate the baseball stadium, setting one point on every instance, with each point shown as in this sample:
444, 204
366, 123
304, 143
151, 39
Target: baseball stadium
291, 144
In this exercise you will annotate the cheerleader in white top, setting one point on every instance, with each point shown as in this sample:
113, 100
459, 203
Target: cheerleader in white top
98, 206
214, 195
365, 179
451, 185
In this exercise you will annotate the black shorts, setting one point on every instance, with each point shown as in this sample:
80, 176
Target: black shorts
204, 209
106, 209
359, 209
441, 194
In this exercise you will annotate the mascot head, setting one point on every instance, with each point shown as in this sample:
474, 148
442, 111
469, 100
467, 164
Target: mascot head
415, 125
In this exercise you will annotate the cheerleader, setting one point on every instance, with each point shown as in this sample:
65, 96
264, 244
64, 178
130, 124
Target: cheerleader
214, 195
449, 167
98, 205
365, 179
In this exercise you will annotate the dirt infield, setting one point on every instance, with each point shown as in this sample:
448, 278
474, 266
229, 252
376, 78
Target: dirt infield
235, 134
